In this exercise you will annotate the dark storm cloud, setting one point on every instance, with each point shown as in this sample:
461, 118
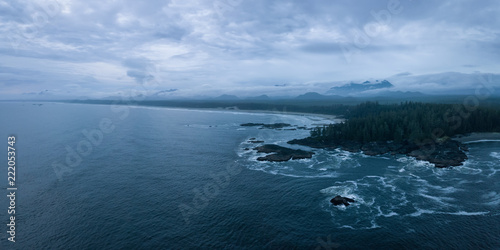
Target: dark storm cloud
206, 47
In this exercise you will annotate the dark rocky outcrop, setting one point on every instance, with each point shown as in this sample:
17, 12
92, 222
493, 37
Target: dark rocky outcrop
277, 153
444, 153
251, 124
255, 141
263, 125
338, 200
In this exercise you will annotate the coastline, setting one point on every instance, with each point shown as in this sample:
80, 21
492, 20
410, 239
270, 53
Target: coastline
332, 118
277, 112
477, 137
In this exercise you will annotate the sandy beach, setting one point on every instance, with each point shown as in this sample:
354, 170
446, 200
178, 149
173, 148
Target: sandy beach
277, 112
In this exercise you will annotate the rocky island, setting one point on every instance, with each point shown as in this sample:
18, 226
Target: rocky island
277, 153
338, 200
277, 126
263, 125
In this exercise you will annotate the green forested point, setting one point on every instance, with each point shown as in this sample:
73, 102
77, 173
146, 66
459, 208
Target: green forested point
413, 121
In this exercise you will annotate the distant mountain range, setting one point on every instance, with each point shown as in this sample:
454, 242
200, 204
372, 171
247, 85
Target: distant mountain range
226, 98
356, 88
384, 93
312, 96
402, 85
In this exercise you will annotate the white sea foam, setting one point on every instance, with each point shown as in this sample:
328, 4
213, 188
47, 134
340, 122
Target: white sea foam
411, 163
397, 193
468, 213
441, 200
323, 164
343, 190
465, 169
420, 212
495, 155
447, 190
478, 141
403, 159
390, 214
278, 168
347, 226
373, 225
492, 197
375, 196
493, 171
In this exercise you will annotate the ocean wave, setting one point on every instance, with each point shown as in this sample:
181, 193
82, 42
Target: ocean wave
493, 171
323, 164
297, 170
372, 226
412, 164
390, 214
438, 199
375, 196
493, 198
469, 213
485, 140
495, 155
347, 190
468, 168
397, 196
420, 212
441, 189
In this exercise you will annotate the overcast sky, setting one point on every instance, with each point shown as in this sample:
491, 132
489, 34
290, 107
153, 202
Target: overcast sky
243, 47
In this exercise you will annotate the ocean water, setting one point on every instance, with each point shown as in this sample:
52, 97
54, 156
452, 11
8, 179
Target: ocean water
105, 177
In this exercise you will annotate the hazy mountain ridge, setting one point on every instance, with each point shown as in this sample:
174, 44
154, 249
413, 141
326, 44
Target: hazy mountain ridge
399, 85
355, 88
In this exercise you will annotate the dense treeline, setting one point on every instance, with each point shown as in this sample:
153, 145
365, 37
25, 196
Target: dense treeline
411, 121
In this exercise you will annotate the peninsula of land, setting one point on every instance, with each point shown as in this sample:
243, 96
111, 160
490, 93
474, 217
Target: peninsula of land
421, 130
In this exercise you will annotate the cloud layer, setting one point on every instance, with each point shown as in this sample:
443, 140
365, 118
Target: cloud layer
204, 48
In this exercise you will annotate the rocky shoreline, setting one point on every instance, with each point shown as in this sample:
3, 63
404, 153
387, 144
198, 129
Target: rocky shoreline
277, 126
442, 153
278, 153
446, 153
